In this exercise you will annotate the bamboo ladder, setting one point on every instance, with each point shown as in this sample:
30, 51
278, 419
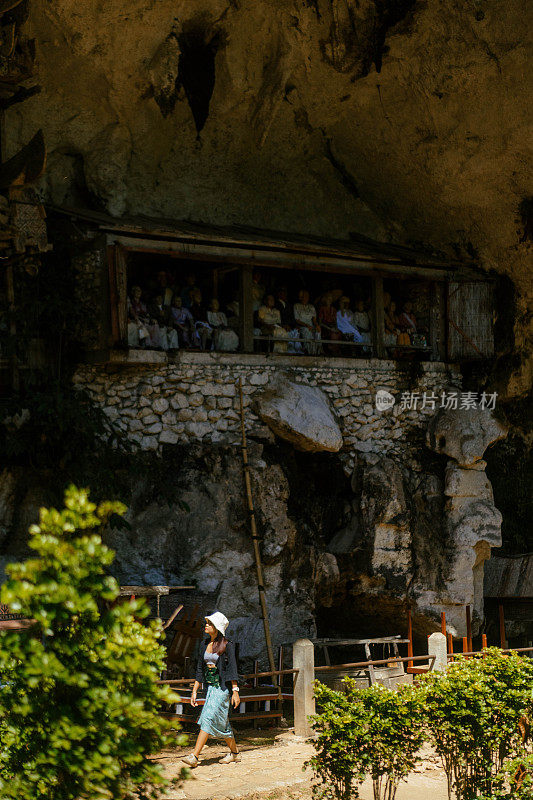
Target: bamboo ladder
257, 551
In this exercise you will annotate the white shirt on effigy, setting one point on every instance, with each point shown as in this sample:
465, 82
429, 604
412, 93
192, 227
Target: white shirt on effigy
361, 320
304, 314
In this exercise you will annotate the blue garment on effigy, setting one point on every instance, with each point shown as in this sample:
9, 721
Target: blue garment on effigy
214, 718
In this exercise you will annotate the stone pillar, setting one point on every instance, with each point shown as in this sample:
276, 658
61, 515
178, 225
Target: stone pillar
437, 647
303, 659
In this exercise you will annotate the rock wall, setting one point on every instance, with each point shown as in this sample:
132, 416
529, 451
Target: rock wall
387, 525
195, 398
348, 538
406, 121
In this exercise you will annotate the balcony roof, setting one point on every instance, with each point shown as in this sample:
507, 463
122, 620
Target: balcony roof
263, 247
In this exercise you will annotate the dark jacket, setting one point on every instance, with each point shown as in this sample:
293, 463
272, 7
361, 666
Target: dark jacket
286, 313
226, 665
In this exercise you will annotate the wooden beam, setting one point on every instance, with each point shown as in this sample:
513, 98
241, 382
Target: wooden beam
282, 259
437, 320
378, 318
246, 309
113, 295
121, 272
502, 626
410, 638
10, 289
469, 628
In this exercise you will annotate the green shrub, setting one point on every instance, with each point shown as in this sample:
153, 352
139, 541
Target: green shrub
373, 732
473, 712
515, 781
79, 702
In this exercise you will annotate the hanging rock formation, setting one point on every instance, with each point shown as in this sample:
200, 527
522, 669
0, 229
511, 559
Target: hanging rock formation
464, 434
300, 415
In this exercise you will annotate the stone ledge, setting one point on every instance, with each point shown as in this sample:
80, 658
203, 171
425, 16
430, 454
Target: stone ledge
191, 358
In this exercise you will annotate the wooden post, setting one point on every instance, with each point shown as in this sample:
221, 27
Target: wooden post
450, 644
410, 637
484, 644
443, 622
257, 551
465, 644
246, 309
303, 659
378, 318
10, 289
502, 626
437, 321
469, 629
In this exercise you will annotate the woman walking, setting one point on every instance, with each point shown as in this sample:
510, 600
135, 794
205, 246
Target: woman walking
217, 668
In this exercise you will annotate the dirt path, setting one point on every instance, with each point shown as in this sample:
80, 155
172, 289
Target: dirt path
271, 769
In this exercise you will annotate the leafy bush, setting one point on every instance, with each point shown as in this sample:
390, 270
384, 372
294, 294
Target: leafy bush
79, 702
515, 781
473, 712
373, 732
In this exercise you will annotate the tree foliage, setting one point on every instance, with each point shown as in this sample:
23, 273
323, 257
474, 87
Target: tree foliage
79, 703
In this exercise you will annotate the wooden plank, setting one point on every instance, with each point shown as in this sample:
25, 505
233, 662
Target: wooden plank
501, 615
10, 290
378, 640
143, 591
234, 717
113, 295
121, 272
245, 697
378, 318
437, 321
246, 326
288, 260
470, 311
371, 672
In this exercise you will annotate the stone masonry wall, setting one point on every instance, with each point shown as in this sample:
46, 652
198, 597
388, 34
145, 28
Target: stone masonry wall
195, 397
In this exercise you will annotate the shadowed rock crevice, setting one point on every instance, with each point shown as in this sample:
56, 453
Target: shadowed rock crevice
196, 67
358, 33
526, 215
346, 179
389, 14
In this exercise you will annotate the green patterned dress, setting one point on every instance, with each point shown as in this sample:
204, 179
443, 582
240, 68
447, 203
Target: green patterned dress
214, 718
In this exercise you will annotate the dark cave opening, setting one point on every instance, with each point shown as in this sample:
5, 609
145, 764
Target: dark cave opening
510, 470
196, 68
368, 616
389, 13
320, 494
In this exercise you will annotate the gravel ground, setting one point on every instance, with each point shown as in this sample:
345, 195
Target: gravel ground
272, 769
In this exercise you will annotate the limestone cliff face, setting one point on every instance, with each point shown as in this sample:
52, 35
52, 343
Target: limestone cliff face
402, 120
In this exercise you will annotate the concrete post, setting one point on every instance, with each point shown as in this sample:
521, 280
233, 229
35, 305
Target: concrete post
303, 659
437, 648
